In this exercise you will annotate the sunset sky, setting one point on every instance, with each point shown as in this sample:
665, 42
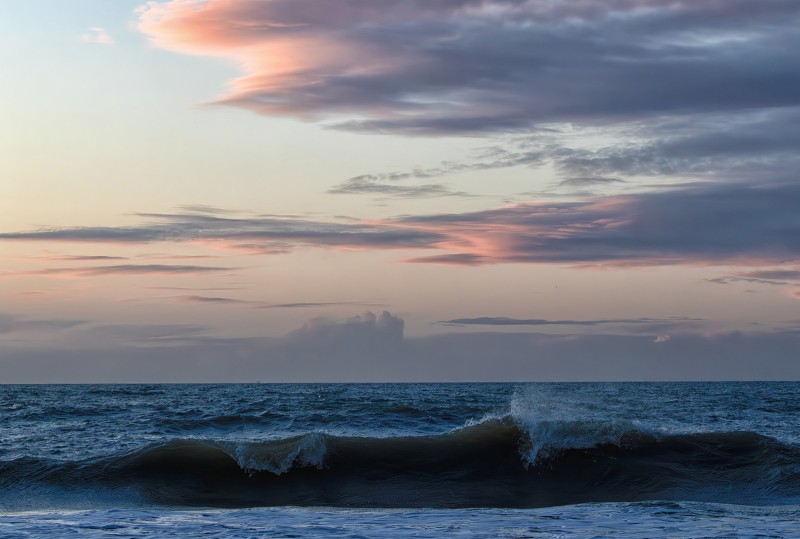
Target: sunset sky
361, 190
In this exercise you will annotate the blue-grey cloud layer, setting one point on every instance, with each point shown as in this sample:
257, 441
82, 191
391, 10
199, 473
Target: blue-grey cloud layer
473, 66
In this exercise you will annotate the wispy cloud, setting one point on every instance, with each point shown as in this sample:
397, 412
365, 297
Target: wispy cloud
205, 209
375, 185
177, 257
23, 325
215, 300
696, 223
306, 305
125, 269
144, 335
505, 321
254, 234
779, 277
588, 181
756, 146
393, 183
97, 35
751, 144
77, 258
195, 289
789, 274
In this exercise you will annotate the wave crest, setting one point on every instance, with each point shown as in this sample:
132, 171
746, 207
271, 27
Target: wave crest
279, 456
494, 463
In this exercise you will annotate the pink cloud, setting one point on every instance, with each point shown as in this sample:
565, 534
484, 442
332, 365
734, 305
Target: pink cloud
692, 224
425, 66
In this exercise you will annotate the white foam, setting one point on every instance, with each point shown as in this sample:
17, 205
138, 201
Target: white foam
280, 456
554, 425
654, 520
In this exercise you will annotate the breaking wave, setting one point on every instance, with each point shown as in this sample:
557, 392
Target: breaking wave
498, 462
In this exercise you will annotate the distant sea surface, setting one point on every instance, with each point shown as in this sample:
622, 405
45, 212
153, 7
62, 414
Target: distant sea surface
401, 460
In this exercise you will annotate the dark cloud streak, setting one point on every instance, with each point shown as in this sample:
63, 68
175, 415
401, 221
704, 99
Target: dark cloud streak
373, 185
304, 305
274, 232
128, 269
505, 321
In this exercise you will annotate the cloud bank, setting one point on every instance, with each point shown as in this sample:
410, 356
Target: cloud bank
372, 347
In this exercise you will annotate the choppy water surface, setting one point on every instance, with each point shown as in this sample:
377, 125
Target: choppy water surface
422, 460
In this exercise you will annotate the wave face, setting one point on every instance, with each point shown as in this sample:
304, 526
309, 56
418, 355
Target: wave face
397, 445
494, 463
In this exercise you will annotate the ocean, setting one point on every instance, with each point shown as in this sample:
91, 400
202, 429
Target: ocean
643, 460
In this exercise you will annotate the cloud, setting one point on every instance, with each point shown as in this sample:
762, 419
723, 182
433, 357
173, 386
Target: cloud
373, 348
734, 279
386, 183
695, 223
177, 257
141, 335
588, 181
757, 145
78, 258
687, 224
789, 274
766, 276
504, 321
205, 209
305, 305
72, 334
364, 326
210, 300
473, 66
126, 269
374, 185
195, 289
15, 324
98, 36
255, 234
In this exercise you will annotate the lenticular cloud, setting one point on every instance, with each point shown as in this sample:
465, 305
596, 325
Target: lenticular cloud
477, 66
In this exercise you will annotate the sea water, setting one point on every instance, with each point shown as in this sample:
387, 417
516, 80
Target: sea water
401, 460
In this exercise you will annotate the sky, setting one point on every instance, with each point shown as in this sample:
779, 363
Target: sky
399, 190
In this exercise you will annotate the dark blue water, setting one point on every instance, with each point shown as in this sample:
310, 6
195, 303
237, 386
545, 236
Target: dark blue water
521, 460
